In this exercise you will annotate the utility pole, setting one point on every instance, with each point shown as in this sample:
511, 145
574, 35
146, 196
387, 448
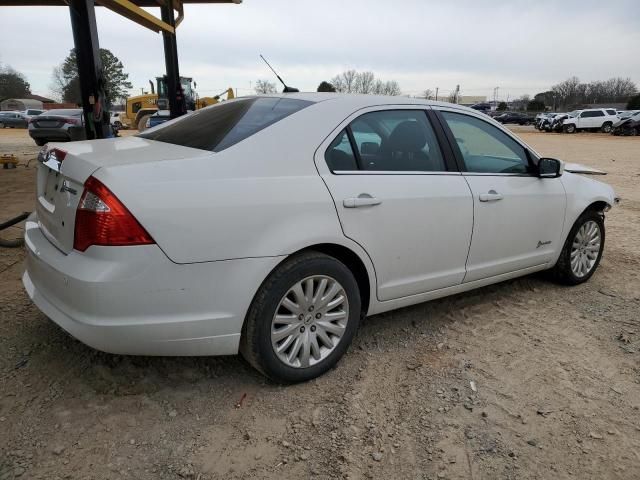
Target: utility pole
455, 94
437, 94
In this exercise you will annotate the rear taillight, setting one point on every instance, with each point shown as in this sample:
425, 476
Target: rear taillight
72, 121
102, 219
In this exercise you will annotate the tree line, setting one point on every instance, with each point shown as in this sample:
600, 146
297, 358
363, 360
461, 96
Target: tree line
572, 92
349, 81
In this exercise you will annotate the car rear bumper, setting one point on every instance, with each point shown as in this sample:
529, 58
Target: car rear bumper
135, 301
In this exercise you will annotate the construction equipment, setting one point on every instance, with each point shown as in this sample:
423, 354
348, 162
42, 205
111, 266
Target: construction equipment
140, 107
207, 101
8, 161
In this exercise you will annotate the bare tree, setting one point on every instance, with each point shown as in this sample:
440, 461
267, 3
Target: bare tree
391, 87
378, 87
615, 90
364, 82
567, 91
345, 82
264, 86
352, 81
428, 94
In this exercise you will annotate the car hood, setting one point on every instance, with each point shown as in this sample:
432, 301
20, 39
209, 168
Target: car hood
578, 168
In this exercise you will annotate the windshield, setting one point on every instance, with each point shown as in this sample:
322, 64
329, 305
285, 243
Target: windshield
220, 126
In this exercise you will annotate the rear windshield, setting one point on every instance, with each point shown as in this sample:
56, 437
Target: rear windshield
221, 126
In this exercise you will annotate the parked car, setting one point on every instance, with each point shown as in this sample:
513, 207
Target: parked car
546, 121
62, 125
515, 117
116, 122
12, 120
628, 125
482, 107
556, 123
32, 112
593, 119
539, 119
271, 225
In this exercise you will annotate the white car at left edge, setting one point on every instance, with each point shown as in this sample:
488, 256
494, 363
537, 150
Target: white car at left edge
271, 225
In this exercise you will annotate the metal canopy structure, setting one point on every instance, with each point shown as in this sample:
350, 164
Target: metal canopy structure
85, 38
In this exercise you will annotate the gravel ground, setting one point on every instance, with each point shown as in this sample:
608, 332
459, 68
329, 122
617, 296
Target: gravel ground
521, 380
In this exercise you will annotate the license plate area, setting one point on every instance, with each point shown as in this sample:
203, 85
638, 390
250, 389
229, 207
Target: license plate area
52, 184
47, 123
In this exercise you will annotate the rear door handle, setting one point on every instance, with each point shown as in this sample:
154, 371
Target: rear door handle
491, 196
362, 200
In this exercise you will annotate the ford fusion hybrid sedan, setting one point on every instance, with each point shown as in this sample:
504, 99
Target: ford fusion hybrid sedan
271, 225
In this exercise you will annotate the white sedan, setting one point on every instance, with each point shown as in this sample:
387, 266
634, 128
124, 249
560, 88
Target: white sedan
271, 225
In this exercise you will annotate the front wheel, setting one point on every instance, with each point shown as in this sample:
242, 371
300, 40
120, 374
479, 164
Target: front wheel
39, 142
571, 128
302, 319
582, 251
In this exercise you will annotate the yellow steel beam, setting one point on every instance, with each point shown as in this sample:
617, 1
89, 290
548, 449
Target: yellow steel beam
136, 14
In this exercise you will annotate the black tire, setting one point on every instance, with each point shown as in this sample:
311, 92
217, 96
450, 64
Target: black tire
39, 142
562, 271
570, 128
1, 125
606, 127
255, 343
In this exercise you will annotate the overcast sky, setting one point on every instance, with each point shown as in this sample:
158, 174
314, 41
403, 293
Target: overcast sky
520, 46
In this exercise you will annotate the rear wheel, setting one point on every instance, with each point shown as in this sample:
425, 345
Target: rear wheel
40, 142
302, 319
570, 128
582, 251
606, 128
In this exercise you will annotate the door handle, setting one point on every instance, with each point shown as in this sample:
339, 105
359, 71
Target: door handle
491, 196
362, 200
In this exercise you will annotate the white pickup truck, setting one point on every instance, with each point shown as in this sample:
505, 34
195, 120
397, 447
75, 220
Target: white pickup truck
593, 119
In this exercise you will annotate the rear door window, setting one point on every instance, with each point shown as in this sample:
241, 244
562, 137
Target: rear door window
339, 155
225, 124
397, 140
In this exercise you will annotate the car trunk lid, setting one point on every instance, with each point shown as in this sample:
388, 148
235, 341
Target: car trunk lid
53, 121
63, 168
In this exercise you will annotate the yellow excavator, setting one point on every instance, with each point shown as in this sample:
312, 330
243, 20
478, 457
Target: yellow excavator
140, 107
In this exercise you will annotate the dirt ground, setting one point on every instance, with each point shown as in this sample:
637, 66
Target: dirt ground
555, 372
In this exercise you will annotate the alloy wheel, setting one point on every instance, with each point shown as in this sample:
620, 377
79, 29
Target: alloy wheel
585, 248
310, 321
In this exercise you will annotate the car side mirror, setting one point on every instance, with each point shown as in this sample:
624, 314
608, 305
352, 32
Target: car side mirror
550, 168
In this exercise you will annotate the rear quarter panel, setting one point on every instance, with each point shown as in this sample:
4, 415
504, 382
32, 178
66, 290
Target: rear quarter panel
260, 197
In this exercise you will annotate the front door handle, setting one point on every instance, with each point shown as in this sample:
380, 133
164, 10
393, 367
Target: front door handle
362, 200
491, 196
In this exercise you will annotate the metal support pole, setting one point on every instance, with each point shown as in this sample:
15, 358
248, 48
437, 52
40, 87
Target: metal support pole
85, 38
177, 104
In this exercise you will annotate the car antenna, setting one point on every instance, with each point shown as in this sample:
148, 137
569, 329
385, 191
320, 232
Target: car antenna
286, 89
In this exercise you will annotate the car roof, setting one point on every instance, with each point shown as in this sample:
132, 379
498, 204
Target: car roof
363, 100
